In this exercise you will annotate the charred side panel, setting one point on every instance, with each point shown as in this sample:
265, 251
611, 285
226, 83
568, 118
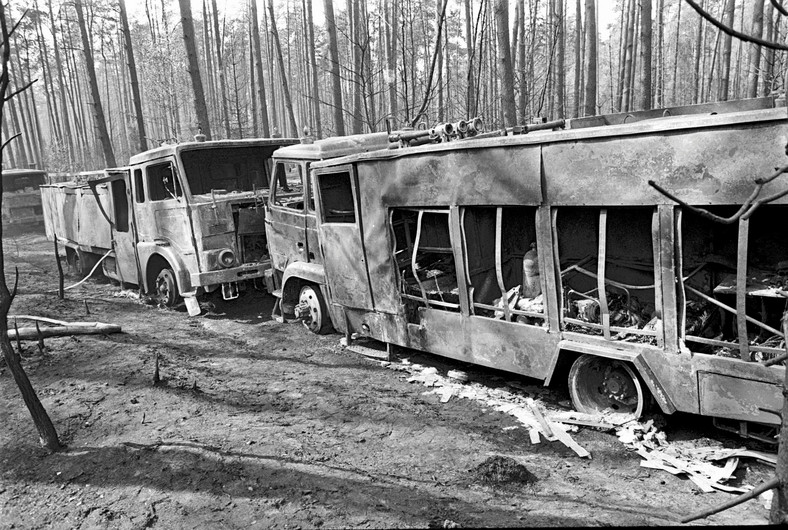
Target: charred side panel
705, 166
497, 175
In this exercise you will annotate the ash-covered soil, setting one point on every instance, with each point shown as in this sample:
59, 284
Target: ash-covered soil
257, 424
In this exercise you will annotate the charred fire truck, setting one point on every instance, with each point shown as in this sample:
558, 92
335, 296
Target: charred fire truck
22, 198
550, 255
179, 220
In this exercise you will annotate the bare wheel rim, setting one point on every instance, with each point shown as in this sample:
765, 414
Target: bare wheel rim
166, 289
597, 384
314, 320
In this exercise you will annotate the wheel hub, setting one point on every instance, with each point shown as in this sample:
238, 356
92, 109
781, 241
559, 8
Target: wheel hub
303, 311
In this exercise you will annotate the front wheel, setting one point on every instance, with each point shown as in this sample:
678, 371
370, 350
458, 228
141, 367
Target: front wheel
167, 288
312, 311
599, 384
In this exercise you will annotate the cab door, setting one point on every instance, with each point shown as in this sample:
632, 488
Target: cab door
339, 232
286, 215
121, 217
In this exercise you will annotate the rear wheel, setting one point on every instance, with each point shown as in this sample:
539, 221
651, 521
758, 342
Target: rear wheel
167, 288
312, 311
599, 384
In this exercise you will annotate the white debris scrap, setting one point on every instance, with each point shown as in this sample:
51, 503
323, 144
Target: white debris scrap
531, 413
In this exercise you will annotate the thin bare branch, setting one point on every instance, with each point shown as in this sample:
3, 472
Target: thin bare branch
779, 7
766, 486
747, 208
16, 283
429, 89
2, 147
19, 91
730, 31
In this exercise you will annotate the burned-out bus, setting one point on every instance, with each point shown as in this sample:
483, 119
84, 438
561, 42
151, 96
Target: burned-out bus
550, 255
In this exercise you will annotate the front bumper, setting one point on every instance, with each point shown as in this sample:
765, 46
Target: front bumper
247, 271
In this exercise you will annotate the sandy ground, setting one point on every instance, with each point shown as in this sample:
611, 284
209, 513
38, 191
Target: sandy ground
257, 424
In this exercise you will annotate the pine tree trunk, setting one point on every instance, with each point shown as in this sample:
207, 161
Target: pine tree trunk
67, 132
313, 62
391, 57
98, 110
591, 38
285, 89
135, 85
505, 58
220, 67
46, 431
645, 54
578, 56
755, 50
560, 73
470, 103
336, 80
200, 107
727, 42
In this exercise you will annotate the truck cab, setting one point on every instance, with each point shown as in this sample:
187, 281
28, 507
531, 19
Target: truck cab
180, 219
291, 226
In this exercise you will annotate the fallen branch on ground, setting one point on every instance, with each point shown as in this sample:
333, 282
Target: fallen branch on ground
74, 328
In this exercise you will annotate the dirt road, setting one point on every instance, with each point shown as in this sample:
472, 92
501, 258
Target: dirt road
257, 424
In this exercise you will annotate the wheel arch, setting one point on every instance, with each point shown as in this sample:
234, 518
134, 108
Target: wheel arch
568, 351
161, 260
296, 275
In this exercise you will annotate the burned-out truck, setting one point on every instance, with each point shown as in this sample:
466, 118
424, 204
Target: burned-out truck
180, 220
555, 256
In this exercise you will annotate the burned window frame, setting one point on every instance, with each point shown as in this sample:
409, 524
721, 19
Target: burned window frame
603, 281
413, 246
747, 352
509, 314
178, 191
318, 177
302, 191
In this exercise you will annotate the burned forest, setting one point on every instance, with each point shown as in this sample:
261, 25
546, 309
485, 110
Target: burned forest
393, 263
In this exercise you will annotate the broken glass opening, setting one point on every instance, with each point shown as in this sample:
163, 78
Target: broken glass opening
607, 272
502, 265
715, 258
226, 169
425, 260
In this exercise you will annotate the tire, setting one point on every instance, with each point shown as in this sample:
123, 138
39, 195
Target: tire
166, 288
314, 312
599, 384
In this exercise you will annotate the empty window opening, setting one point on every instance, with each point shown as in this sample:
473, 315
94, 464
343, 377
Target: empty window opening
287, 188
336, 194
139, 187
121, 204
163, 182
220, 170
710, 255
503, 264
425, 260
607, 272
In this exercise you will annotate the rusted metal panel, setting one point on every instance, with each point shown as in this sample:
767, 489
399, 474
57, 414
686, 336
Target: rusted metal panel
668, 278
509, 346
713, 165
497, 175
346, 266
547, 267
286, 229
737, 398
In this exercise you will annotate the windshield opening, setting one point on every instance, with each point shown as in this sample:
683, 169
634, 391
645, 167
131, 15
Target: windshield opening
24, 181
227, 169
